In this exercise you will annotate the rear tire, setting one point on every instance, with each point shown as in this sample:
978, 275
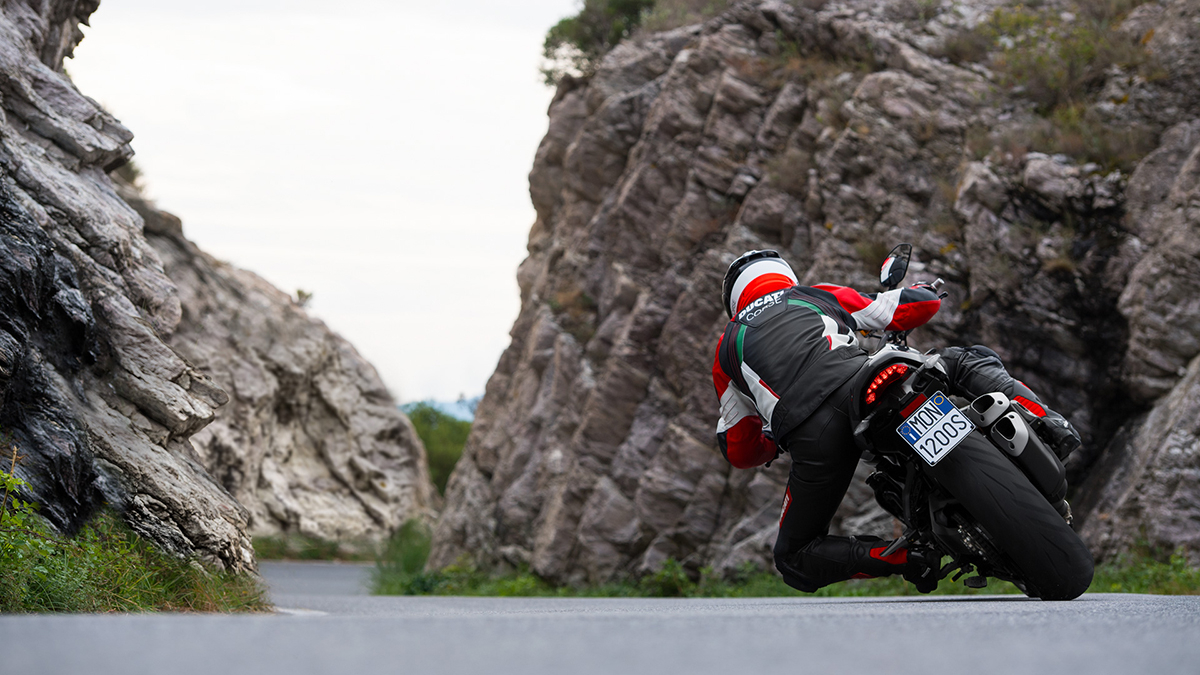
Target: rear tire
1051, 559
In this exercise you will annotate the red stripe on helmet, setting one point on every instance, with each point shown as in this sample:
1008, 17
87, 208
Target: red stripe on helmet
766, 283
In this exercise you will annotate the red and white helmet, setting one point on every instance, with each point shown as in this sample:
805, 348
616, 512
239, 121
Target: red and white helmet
753, 274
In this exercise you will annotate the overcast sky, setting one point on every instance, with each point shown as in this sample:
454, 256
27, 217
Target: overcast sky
372, 153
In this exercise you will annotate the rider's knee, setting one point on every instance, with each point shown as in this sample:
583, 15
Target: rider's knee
983, 351
783, 553
974, 370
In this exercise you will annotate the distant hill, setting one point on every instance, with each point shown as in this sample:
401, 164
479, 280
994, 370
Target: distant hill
462, 409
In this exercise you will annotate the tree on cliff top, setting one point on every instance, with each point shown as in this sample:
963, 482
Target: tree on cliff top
575, 44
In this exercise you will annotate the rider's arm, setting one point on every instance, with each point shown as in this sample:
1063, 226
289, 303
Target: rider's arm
901, 309
739, 431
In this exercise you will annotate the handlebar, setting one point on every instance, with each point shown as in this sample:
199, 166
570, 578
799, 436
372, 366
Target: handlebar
901, 337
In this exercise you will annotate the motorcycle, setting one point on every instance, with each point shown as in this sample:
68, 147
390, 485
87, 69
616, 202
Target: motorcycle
971, 480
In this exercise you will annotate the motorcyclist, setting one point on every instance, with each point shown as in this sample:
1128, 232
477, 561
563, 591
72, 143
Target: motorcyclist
783, 372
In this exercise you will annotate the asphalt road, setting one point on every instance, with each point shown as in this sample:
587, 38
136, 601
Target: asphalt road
326, 624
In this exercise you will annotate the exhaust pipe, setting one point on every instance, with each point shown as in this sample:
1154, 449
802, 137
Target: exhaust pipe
986, 409
1011, 433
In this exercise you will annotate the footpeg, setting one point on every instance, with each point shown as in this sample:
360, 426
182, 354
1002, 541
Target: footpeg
896, 545
1064, 509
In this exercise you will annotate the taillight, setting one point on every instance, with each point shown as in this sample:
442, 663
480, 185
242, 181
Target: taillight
885, 379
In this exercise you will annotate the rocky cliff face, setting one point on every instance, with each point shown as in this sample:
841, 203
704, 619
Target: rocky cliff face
102, 388
1145, 489
98, 405
828, 135
310, 441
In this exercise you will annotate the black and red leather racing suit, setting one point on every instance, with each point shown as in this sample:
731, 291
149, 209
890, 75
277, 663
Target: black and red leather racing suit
782, 372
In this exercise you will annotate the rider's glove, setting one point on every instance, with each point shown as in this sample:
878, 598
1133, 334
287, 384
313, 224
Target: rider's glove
926, 286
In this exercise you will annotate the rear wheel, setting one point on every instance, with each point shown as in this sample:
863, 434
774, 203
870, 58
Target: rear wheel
1051, 559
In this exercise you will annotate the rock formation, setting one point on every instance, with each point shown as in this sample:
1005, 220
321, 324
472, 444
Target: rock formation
94, 400
1145, 489
102, 388
828, 134
310, 442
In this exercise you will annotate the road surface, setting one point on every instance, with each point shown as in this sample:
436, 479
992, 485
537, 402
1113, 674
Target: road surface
327, 624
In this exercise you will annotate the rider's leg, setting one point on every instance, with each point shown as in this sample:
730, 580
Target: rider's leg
975, 371
824, 457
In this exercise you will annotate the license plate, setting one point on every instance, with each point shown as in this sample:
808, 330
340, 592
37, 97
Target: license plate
935, 428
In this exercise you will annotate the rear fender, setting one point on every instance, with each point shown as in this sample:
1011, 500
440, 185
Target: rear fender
877, 362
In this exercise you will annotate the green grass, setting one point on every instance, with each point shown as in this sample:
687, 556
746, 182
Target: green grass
1141, 572
400, 571
444, 437
668, 14
1061, 65
1075, 131
671, 581
105, 567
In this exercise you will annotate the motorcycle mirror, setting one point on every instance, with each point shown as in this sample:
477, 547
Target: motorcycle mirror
895, 266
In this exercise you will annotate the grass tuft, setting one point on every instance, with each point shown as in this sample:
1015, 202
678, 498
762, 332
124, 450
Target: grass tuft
1140, 572
400, 567
1057, 64
576, 312
668, 14
1060, 62
872, 250
789, 171
968, 46
920, 11
1055, 59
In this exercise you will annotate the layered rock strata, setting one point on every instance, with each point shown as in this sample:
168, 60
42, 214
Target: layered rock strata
99, 407
103, 371
1145, 490
310, 441
828, 135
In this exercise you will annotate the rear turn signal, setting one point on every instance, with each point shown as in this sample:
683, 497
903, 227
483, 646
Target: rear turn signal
885, 379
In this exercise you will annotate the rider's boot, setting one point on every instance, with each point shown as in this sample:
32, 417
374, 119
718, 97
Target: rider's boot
827, 560
922, 569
